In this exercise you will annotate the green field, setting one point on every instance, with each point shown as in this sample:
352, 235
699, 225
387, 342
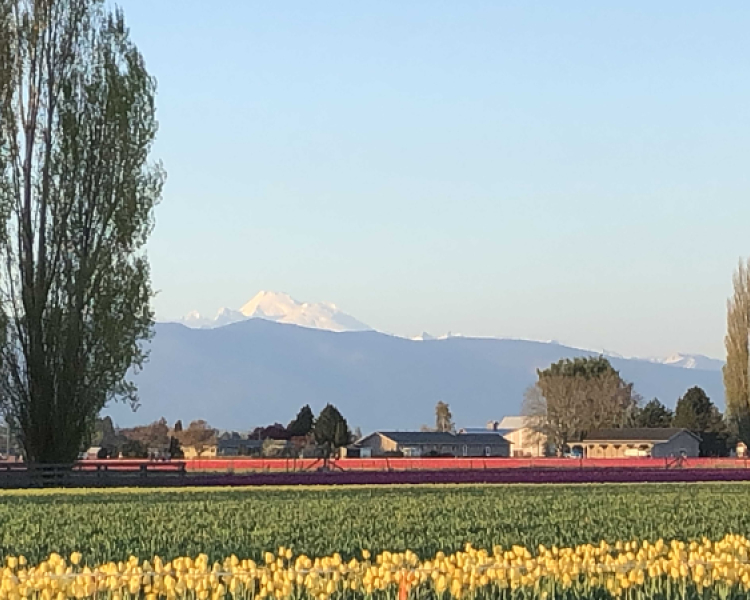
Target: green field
115, 524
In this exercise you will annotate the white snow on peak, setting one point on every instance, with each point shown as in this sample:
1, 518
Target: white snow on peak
195, 319
691, 361
281, 308
424, 337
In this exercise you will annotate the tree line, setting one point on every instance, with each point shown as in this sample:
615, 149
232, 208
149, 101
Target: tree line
328, 431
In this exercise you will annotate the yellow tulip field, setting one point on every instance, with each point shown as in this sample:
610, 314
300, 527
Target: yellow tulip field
479, 542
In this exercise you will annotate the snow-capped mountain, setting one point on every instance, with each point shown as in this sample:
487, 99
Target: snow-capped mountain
691, 361
281, 308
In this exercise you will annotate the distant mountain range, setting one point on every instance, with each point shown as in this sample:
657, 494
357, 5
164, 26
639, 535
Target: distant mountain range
261, 370
281, 308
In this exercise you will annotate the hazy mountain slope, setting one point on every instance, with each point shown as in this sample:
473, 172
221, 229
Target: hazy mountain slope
257, 372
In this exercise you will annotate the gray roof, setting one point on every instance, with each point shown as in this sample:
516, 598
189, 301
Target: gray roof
485, 439
233, 435
643, 434
419, 438
484, 430
237, 441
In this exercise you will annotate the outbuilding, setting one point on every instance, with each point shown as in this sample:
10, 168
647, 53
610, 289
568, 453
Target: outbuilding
655, 442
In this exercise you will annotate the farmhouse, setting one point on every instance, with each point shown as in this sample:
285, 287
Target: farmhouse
232, 443
656, 442
426, 443
526, 442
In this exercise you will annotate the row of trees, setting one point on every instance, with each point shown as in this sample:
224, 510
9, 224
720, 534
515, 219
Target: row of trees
574, 397
138, 442
329, 430
696, 412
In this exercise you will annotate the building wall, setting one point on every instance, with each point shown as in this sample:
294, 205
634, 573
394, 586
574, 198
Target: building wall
380, 445
476, 450
617, 449
190, 452
226, 449
526, 443
681, 444
425, 449
459, 450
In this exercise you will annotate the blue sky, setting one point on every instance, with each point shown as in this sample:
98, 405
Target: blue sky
550, 170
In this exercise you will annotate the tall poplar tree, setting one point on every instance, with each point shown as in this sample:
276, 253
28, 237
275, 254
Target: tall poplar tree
77, 121
737, 368
443, 418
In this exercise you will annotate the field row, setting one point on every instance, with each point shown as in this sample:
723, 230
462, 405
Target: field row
660, 570
320, 521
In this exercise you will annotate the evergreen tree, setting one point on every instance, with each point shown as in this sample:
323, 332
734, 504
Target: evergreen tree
303, 422
331, 429
696, 412
175, 450
653, 414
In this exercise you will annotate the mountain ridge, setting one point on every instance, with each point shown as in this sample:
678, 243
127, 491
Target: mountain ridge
259, 371
282, 308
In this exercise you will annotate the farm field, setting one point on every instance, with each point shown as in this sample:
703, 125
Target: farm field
595, 540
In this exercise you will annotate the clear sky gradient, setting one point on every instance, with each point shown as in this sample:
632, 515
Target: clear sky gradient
576, 171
